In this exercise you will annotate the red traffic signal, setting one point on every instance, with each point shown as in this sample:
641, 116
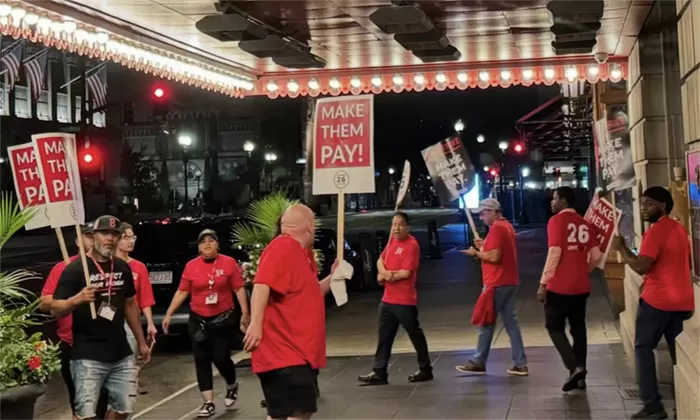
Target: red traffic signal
518, 148
494, 172
88, 158
159, 93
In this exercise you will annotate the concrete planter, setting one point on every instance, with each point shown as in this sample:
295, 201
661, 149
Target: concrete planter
18, 402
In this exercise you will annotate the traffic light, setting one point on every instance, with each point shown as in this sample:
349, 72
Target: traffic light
160, 96
158, 93
493, 172
518, 148
128, 112
87, 157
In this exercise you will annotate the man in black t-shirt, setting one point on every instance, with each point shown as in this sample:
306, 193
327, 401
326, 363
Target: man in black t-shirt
101, 353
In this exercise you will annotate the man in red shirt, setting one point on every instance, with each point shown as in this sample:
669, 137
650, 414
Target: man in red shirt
499, 265
398, 271
64, 326
287, 333
667, 292
564, 286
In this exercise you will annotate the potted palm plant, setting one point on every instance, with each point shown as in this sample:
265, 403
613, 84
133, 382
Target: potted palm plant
253, 235
26, 361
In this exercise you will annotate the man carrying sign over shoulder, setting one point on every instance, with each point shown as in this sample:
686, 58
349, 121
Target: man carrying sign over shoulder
564, 286
667, 292
499, 264
101, 355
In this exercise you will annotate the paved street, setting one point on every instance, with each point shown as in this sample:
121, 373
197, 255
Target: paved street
448, 290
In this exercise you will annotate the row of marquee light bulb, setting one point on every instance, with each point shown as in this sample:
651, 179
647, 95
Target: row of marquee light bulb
571, 74
69, 30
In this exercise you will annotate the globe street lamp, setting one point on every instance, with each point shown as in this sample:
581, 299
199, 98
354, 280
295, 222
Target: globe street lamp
392, 171
249, 146
459, 126
480, 138
270, 157
185, 141
525, 171
503, 146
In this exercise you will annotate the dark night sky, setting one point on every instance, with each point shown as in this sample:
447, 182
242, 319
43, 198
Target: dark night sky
406, 123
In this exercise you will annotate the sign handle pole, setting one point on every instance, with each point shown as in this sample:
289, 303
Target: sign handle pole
83, 259
472, 225
615, 232
62, 245
340, 229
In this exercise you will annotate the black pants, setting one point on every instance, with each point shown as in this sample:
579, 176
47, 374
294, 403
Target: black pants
651, 325
557, 311
215, 348
290, 391
390, 317
65, 356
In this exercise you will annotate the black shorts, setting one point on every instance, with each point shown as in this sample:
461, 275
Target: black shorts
289, 391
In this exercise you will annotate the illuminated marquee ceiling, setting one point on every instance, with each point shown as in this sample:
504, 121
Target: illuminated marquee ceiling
490, 35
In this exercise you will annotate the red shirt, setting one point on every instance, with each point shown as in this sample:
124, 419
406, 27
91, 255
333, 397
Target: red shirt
667, 285
294, 327
225, 276
505, 273
401, 255
142, 284
576, 237
64, 326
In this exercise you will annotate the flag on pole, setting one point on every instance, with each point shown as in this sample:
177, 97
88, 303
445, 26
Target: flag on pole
10, 58
96, 80
35, 69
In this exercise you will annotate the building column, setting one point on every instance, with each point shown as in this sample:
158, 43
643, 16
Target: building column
687, 369
656, 137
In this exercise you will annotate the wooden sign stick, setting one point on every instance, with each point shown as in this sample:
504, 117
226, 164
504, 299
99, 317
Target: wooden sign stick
62, 245
340, 228
83, 259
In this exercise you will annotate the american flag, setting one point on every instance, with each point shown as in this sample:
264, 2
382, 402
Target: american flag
97, 83
34, 68
11, 57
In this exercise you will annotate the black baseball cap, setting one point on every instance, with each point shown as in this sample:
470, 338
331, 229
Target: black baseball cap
205, 233
106, 224
86, 229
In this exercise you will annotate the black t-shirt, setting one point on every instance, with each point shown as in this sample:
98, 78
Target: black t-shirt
98, 339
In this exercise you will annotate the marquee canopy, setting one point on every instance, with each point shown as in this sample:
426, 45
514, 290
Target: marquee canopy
493, 43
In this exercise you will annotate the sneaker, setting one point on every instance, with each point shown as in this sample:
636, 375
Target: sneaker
231, 395
472, 368
648, 414
421, 376
206, 410
572, 381
373, 379
581, 384
518, 371
263, 404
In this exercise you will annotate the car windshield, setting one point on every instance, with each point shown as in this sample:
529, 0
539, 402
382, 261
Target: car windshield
159, 242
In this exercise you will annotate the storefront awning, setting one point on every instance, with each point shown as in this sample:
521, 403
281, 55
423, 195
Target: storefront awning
495, 43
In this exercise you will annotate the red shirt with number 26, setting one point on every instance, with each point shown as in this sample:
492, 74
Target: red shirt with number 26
575, 237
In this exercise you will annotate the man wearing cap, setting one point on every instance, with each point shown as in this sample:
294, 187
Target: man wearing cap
101, 356
64, 326
667, 294
499, 262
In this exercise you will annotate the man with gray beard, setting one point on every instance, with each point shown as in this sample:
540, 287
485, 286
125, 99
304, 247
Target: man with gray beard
101, 355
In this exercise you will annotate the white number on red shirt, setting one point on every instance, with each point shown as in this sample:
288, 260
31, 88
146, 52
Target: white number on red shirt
578, 234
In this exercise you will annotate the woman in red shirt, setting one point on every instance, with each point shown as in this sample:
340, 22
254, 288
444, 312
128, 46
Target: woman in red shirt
142, 284
210, 281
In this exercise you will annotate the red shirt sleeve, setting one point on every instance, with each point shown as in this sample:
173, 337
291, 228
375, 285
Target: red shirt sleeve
236, 278
52, 279
145, 295
187, 277
554, 233
651, 243
276, 265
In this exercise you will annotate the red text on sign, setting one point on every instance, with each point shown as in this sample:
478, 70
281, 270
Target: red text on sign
53, 159
602, 216
29, 188
342, 134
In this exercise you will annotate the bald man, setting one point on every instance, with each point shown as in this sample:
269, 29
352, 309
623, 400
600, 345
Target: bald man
287, 333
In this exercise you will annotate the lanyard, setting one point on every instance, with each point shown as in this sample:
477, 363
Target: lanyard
213, 274
104, 276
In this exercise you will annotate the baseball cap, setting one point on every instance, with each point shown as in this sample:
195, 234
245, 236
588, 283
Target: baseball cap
207, 232
487, 204
106, 224
86, 229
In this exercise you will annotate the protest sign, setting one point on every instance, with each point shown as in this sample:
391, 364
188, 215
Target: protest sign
28, 186
343, 159
452, 172
604, 217
58, 168
343, 144
403, 187
613, 150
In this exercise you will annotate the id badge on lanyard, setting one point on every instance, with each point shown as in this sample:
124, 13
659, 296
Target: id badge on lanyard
106, 310
212, 298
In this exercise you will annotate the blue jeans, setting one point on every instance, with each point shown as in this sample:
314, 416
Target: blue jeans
118, 380
504, 301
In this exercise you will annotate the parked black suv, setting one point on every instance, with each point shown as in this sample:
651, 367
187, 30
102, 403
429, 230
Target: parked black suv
166, 245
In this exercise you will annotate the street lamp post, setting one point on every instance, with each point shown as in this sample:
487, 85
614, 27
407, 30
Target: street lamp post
524, 173
503, 146
269, 158
185, 141
459, 126
198, 198
249, 146
480, 138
